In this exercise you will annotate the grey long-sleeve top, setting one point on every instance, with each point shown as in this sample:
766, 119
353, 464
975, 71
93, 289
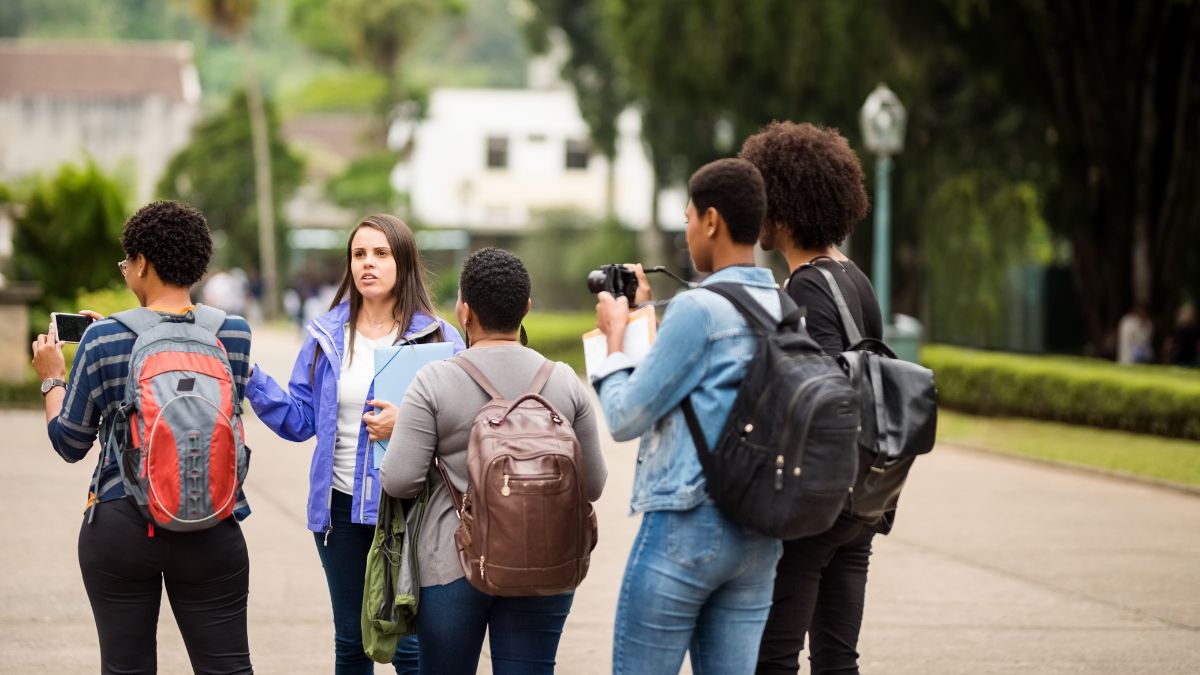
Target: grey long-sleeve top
435, 419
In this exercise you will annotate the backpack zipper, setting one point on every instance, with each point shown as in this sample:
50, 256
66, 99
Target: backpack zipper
790, 429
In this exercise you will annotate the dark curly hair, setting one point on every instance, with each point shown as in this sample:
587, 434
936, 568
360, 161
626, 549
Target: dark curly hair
814, 182
495, 284
175, 239
735, 189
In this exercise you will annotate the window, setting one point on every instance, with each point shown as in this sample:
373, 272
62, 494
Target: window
578, 153
497, 152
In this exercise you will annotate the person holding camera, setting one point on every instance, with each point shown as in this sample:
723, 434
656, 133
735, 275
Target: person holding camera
694, 580
815, 195
125, 560
382, 300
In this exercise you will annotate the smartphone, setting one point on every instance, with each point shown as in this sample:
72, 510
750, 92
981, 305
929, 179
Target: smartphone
70, 327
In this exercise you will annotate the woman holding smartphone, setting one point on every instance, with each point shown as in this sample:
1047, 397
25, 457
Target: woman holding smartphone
382, 300
125, 561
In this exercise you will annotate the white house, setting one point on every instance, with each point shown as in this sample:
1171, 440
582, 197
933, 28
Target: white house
488, 160
129, 105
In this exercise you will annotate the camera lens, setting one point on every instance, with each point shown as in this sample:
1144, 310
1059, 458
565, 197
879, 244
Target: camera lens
596, 280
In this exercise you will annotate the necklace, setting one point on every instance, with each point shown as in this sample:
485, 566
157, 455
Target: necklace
374, 323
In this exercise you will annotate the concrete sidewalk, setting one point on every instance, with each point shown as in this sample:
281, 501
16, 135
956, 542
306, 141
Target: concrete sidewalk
995, 566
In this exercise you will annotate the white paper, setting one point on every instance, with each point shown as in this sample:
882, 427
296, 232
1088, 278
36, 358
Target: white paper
639, 336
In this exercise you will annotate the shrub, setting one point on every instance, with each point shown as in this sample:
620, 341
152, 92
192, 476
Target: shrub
558, 335
1143, 399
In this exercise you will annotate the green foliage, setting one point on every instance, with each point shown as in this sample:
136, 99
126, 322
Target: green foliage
365, 185
975, 233
1154, 457
376, 34
590, 68
67, 233
564, 248
558, 335
215, 173
343, 90
1143, 399
105, 301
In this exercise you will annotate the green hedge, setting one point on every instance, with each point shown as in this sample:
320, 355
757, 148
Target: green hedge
1144, 399
558, 335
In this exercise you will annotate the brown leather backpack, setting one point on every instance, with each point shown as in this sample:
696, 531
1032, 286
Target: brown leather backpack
525, 524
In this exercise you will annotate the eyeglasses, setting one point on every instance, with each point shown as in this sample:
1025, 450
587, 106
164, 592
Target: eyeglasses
123, 265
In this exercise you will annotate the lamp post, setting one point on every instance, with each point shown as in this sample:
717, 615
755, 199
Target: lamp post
882, 119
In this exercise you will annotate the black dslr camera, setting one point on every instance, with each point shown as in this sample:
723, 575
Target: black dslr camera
615, 279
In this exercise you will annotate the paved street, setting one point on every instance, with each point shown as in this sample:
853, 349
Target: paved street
995, 566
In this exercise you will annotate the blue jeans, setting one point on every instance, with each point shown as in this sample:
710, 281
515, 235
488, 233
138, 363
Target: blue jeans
344, 557
695, 581
523, 632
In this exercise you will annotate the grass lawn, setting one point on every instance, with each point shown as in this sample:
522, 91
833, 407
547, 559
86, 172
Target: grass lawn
1167, 459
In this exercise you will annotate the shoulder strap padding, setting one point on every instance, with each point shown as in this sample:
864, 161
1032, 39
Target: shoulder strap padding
853, 336
754, 312
139, 319
540, 378
476, 374
209, 318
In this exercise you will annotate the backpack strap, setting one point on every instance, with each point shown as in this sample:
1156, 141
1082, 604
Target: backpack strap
209, 318
853, 336
541, 377
139, 319
455, 495
476, 374
755, 313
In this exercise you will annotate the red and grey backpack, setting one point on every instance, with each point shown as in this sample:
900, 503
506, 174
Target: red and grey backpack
178, 435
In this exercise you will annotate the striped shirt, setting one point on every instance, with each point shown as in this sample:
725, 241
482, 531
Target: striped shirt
96, 388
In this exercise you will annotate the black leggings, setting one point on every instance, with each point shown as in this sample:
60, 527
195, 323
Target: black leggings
820, 585
207, 575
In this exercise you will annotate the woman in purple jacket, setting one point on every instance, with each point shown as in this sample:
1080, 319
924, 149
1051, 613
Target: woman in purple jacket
382, 300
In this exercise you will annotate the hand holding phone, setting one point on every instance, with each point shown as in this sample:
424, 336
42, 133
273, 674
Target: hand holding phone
69, 327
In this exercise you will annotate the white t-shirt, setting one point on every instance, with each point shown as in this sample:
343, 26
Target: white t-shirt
353, 385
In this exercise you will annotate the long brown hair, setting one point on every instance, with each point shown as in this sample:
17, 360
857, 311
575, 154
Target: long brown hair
411, 290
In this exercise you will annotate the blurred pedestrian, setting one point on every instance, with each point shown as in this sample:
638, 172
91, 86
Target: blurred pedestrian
1135, 333
1185, 340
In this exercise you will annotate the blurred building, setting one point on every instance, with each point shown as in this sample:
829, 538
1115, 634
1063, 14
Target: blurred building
488, 160
129, 105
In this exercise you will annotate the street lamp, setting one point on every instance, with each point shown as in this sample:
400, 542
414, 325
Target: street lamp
882, 118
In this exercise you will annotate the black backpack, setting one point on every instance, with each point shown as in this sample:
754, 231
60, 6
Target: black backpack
785, 460
899, 414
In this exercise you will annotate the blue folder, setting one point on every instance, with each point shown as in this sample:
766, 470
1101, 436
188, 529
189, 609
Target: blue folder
395, 368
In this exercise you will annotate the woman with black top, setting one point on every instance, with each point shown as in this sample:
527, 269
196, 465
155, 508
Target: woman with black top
815, 195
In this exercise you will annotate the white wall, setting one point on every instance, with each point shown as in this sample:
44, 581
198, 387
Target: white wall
135, 134
451, 186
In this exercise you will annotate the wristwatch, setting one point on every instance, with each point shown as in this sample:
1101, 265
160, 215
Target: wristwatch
52, 382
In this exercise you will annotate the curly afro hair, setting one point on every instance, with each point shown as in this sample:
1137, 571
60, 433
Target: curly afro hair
496, 285
735, 189
175, 239
814, 182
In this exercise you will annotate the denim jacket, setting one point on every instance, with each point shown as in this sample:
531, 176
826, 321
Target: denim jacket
310, 407
702, 350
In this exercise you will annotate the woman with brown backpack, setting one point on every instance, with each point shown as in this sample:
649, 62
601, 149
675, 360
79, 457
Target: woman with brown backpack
509, 525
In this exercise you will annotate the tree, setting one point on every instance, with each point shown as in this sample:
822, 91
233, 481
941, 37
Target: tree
216, 175
1119, 83
67, 232
374, 33
591, 69
232, 18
